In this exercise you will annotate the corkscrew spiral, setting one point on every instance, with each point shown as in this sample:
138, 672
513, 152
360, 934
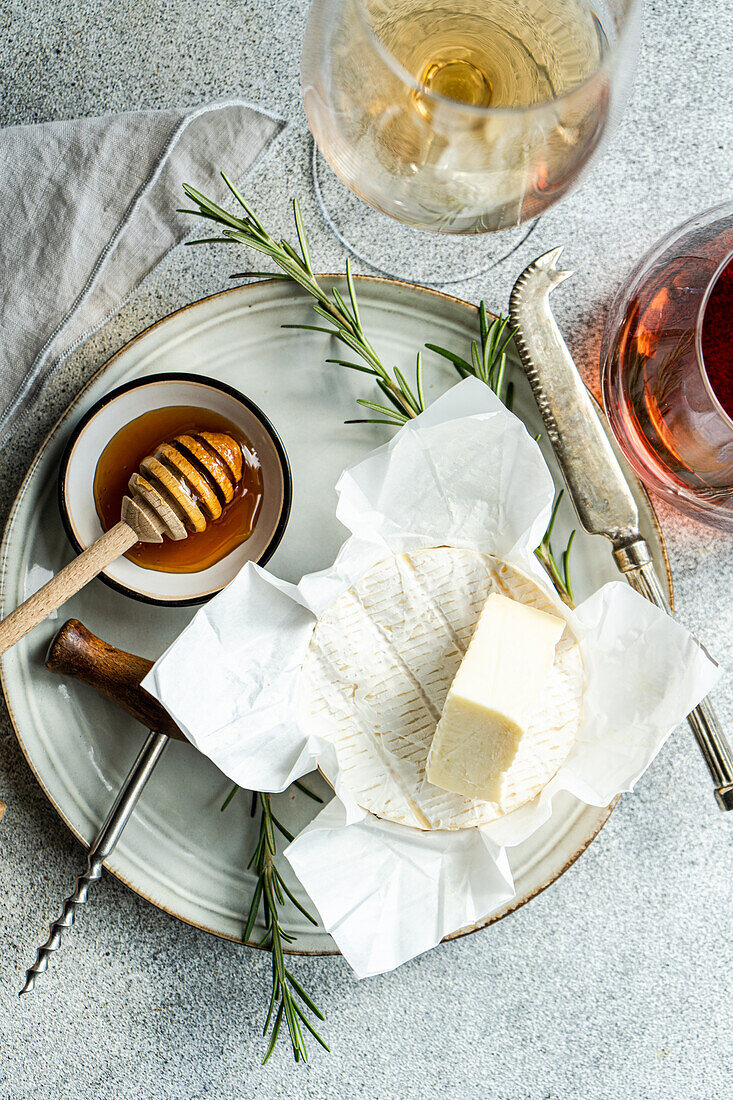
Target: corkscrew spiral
102, 847
66, 919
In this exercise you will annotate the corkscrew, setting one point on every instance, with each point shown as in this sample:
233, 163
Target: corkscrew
100, 850
76, 652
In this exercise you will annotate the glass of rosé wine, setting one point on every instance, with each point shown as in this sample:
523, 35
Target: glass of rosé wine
667, 368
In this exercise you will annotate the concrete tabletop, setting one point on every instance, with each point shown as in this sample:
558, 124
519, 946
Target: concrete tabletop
615, 982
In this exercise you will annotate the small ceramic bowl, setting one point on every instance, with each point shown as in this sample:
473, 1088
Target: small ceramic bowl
100, 424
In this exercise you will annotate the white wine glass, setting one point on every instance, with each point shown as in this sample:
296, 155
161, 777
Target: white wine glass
458, 116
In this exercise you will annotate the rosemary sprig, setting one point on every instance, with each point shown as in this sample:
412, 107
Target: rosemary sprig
488, 363
559, 573
270, 892
488, 355
344, 319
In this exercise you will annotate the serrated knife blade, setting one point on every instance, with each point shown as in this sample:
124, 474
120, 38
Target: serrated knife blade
595, 480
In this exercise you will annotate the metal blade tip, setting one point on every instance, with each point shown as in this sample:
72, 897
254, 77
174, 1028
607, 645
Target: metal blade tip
548, 263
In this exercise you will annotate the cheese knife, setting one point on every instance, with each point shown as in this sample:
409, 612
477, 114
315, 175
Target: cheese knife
591, 470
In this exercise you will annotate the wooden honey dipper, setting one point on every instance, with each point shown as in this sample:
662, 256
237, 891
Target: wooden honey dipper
176, 492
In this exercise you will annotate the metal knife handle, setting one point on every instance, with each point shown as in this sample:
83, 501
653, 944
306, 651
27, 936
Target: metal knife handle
101, 849
635, 562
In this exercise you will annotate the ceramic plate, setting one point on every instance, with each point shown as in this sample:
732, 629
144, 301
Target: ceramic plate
179, 851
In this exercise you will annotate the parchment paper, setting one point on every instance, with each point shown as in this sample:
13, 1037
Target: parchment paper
464, 473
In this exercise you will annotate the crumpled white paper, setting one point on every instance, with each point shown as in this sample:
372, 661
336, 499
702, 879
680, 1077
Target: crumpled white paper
465, 473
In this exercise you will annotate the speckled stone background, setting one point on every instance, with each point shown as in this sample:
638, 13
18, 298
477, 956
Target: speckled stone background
616, 982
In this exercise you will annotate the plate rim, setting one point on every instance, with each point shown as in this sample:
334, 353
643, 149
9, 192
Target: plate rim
512, 906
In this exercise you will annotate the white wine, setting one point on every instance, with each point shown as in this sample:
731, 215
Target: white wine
460, 116
492, 53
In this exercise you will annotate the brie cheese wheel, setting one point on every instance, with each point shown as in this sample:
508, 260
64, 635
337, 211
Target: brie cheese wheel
492, 697
377, 673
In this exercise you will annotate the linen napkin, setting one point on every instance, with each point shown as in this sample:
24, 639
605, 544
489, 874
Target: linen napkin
88, 208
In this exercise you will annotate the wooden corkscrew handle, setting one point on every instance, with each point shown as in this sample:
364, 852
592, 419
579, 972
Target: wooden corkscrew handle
67, 583
78, 653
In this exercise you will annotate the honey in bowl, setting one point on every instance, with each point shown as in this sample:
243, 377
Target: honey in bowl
142, 437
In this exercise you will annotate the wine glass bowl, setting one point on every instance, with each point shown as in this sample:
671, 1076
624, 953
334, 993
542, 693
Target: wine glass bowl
469, 118
667, 367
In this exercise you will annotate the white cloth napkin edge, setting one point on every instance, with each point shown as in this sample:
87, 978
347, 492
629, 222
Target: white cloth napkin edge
38, 372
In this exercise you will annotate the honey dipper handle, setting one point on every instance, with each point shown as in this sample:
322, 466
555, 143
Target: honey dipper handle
65, 584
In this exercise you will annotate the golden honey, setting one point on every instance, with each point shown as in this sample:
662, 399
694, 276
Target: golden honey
142, 437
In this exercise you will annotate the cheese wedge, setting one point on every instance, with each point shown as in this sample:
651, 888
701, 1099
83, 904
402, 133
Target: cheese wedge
492, 697
378, 669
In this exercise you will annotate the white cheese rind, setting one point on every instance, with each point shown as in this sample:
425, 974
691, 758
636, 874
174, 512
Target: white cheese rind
377, 673
491, 698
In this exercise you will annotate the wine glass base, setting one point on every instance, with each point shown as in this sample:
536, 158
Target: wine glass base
400, 251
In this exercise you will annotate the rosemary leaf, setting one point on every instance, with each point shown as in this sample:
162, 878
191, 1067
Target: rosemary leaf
306, 790
292, 254
352, 294
264, 275
228, 798
483, 322
374, 420
477, 364
566, 568
311, 328
409, 396
505, 342
463, 367
351, 366
253, 910
281, 828
296, 903
210, 240
343, 308
245, 206
310, 1026
397, 418
275, 1033
498, 379
419, 381
303, 995
302, 239
553, 516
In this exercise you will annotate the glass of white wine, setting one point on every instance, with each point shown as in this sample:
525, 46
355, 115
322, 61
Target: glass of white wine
462, 116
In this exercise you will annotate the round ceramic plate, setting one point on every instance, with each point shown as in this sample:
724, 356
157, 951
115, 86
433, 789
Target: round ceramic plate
179, 850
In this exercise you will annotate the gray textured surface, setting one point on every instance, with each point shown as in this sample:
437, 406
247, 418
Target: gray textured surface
616, 981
